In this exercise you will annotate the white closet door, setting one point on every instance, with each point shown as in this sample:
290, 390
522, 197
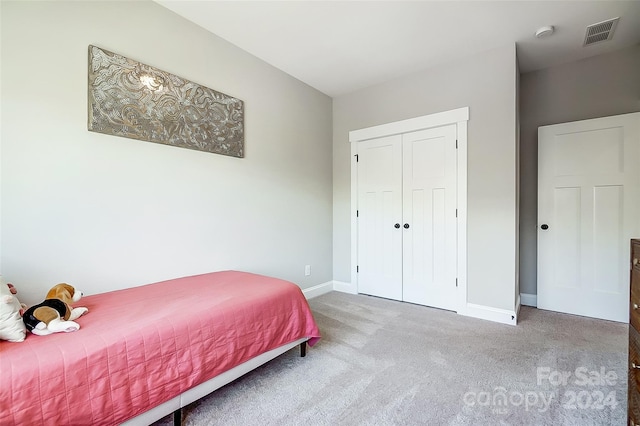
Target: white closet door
588, 210
429, 224
379, 210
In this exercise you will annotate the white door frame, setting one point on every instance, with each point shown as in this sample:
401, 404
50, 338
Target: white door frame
459, 117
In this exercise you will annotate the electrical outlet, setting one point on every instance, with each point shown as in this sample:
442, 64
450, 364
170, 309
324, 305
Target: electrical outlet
307, 270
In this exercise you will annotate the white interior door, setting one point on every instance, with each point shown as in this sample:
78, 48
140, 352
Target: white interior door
379, 211
429, 217
588, 210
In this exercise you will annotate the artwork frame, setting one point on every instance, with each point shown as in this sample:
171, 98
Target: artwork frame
130, 99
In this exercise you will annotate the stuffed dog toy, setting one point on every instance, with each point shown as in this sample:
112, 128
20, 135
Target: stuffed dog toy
55, 314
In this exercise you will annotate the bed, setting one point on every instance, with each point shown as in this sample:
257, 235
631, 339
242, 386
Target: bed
145, 352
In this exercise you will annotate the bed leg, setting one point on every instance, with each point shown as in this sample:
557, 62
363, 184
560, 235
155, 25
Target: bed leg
303, 349
177, 417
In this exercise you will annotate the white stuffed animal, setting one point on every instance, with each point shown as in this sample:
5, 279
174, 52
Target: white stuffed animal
12, 327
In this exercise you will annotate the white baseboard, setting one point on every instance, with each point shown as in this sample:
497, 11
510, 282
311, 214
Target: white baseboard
529, 299
489, 313
345, 287
318, 290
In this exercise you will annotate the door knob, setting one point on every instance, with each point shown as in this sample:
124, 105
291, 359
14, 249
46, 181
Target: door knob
397, 225
545, 226
406, 226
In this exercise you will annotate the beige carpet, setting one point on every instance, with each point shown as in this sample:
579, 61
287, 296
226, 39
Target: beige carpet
382, 362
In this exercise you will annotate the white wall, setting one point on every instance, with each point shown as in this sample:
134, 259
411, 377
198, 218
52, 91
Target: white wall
594, 87
104, 212
487, 84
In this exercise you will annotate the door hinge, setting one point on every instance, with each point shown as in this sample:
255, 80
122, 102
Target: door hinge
456, 212
357, 269
356, 157
357, 213
456, 282
456, 143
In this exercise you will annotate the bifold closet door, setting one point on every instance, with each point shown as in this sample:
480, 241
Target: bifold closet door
429, 210
380, 217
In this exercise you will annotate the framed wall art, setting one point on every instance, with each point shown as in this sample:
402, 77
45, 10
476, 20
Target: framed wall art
133, 100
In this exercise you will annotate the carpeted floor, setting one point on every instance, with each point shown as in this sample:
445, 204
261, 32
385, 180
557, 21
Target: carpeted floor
382, 362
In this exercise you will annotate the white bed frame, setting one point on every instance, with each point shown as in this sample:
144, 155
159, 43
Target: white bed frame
204, 389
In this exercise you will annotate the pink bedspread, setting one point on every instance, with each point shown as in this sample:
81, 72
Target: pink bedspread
139, 347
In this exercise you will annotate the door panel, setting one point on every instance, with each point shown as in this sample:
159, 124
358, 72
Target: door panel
379, 209
429, 203
607, 234
566, 226
589, 196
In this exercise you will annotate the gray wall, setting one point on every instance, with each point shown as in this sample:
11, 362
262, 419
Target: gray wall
105, 212
487, 84
600, 86
518, 177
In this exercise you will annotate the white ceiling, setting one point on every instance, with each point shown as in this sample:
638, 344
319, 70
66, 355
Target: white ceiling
338, 47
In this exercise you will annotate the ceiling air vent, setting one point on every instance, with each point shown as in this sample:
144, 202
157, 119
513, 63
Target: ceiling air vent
602, 31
